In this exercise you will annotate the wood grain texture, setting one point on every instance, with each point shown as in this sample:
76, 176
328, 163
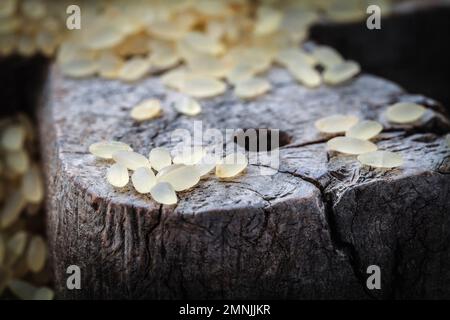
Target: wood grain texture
309, 230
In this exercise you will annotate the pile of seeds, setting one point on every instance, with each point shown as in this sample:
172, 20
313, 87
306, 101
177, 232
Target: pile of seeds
201, 46
358, 133
160, 174
23, 251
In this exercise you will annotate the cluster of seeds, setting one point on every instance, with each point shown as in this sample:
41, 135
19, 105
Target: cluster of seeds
358, 133
23, 251
160, 174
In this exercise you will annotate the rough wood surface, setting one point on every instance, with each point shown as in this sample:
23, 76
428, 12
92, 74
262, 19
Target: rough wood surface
308, 231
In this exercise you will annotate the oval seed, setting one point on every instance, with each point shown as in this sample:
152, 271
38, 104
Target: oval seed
131, 160
189, 156
203, 43
105, 149
341, 72
350, 145
305, 74
134, 69
175, 78
180, 178
36, 254
79, 67
146, 110
44, 293
187, 106
16, 244
18, 161
336, 123
381, 159
33, 185
143, 179
327, 56
21, 289
13, 137
117, 175
251, 88
364, 130
163, 193
206, 165
268, 21
160, 158
202, 86
404, 112
292, 56
231, 165
208, 65
12, 208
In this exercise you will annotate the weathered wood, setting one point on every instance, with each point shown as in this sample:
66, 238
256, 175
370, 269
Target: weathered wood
308, 231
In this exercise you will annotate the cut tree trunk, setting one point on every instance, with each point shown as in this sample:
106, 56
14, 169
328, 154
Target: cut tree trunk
309, 229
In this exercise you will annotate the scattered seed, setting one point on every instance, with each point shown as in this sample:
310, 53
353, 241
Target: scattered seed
381, 159
17, 161
181, 177
251, 88
187, 106
146, 110
134, 69
11, 209
33, 185
160, 158
336, 123
404, 112
16, 244
202, 86
189, 156
131, 160
364, 130
327, 57
231, 165
143, 179
340, 73
350, 145
206, 165
44, 293
36, 254
117, 175
163, 193
106, 149
305, 74
13, 138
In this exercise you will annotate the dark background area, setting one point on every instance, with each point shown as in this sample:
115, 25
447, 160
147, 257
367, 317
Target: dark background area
411, 49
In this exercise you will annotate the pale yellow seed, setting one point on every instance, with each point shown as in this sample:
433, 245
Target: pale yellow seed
240, 72
146, 110
18, 161
44, 293
231, 165
341, 72
327, 56
22, 289
203, 43
175, 78
79, 68
166, 30
131, 160
7, 8
103, 36
13, 137
268, 21
336, 123
208, 65
33, 185
350, 145
206, 165
202, 86
404, 112
143, 179
164, 193
305, 74
109, 65
106, 149
187, 106
293, 56
251, 88
181, 177
134, 69
36, 254
364, 130
11, 209
17, 243
381, 159
189, 155
160, 158
117, 175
